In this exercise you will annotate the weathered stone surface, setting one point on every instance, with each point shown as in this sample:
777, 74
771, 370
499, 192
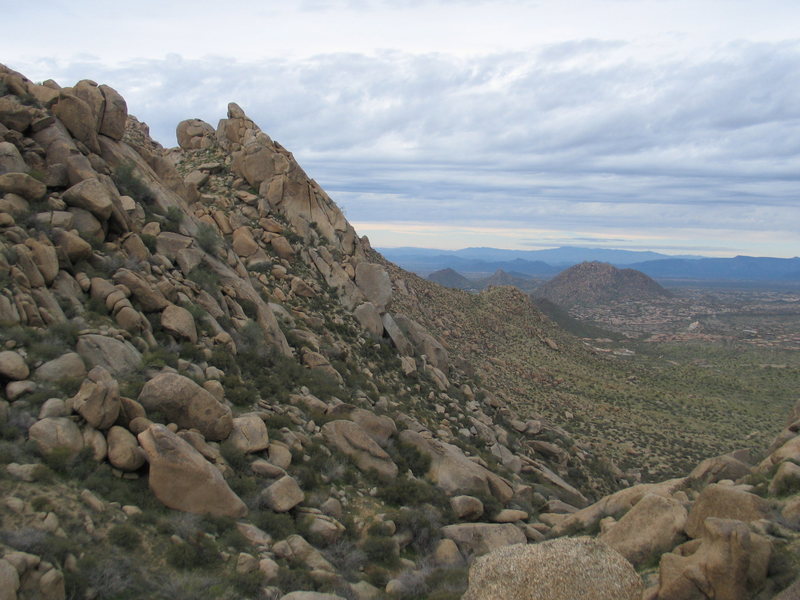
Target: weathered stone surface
91, 195
397, 336
182, 479
452, 471
299, 552
653, 526
149, 297
97, 401
350, 439
180, 322
243, 243
369, 318
117, 356
467, 508
9, 581
283, 495
725, 502
373, 280
12, 366
615, 504
23, 185
718, 468
424, 343
786, 479
115, 113
282, 247
477, 539
379, 427
78, 117
729, 563
193, 133
249, 433
562, 569
123, 450
184, 402
10, 159
56, 433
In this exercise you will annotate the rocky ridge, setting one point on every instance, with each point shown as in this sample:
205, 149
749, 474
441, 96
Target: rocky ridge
203, 363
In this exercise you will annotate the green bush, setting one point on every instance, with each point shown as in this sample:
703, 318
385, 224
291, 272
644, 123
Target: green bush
381, 550
129, 184
198, 552
278, 525
125, 536
410, 492
207, 238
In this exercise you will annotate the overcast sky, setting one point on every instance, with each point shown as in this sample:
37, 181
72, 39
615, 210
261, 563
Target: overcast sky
664, 125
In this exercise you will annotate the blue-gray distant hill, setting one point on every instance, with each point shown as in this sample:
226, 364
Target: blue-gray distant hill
739, 268
548, 263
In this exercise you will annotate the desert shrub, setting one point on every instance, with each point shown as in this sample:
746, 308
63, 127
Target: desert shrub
424, 524
409, 458
348, 558
404, 491
290, 580
110, 575
278, 525
160, 357
207, 238
234, 456
381, 550
149, 241
237, 391
195, 553
129, 184
173, 219
205, 278
125, 536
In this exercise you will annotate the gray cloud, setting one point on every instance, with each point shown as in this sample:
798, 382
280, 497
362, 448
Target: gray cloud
568, 135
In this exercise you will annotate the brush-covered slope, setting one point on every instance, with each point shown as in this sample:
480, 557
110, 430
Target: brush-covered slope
594, 283
451, 279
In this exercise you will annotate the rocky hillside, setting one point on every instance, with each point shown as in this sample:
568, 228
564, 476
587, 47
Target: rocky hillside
451, 279
212, 387
593, 283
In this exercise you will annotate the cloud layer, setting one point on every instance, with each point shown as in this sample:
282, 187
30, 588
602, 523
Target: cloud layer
581, 139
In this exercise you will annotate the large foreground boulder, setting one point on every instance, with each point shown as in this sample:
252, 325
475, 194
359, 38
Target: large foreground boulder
729, 562
182, 479
187, 404
562, 569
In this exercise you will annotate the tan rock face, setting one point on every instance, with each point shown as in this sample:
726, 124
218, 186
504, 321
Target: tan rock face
283, 495
424, 342
562, 569
23, 185
653, 526
452, 471
193, 133
56, 433
369, 318
117, 356
729, 563
115, 113
249, 433
12, 366
184, 402
182, 479
725, 502
91, 195
123, 450
180, 322
477, 539
350, 439
374, 282
98, 401
78, 117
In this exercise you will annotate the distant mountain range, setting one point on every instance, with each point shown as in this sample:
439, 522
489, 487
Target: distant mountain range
547, 263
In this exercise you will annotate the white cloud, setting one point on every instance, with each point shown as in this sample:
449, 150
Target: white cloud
663, 119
